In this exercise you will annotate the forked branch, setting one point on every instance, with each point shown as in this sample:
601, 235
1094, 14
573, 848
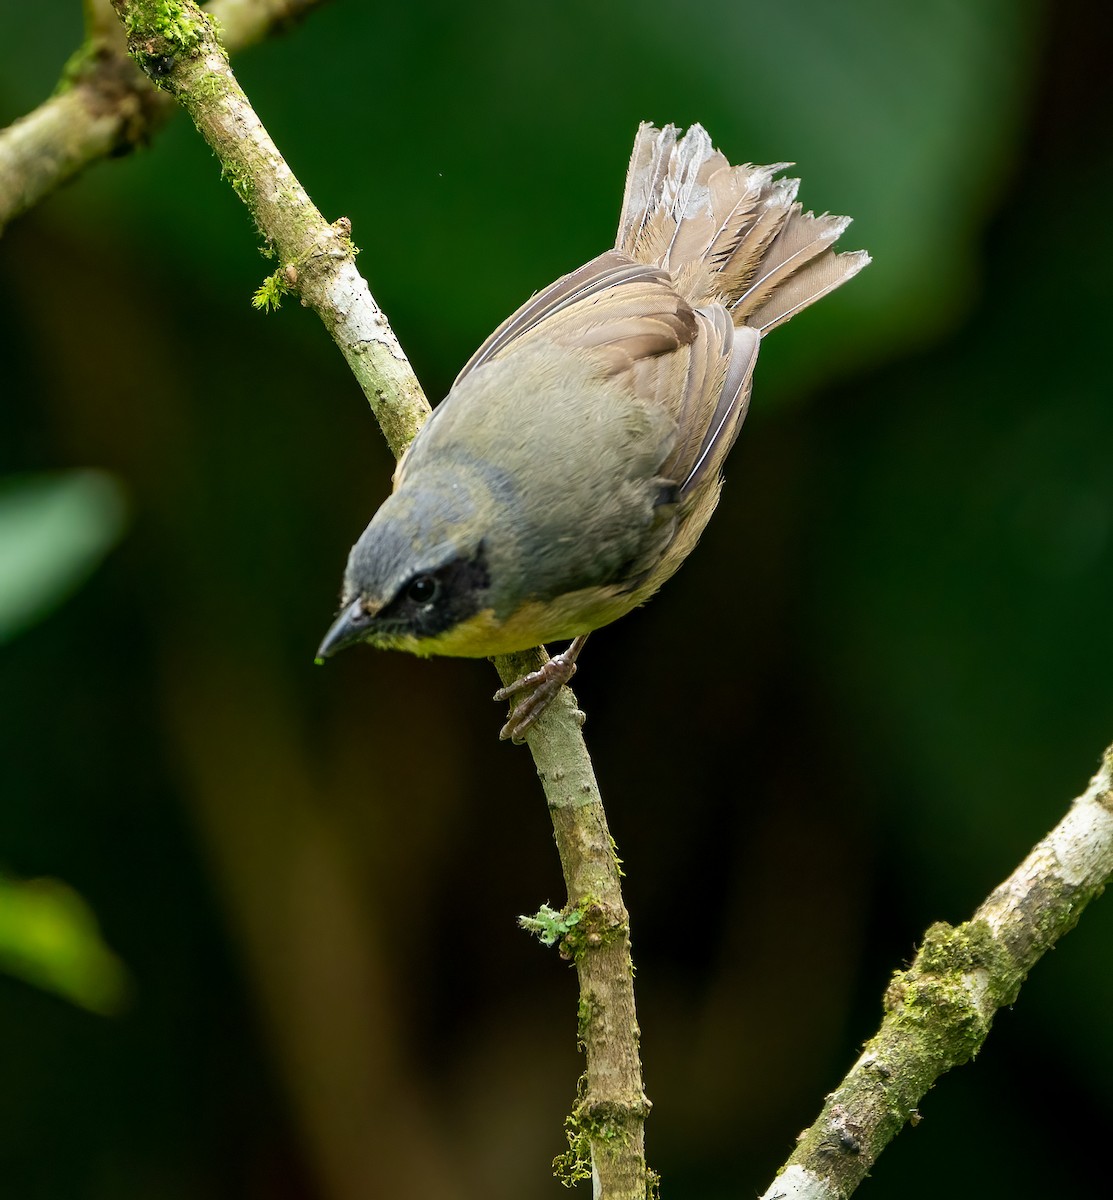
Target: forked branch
104, 105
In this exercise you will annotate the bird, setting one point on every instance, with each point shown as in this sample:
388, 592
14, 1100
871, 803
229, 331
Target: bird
578, 455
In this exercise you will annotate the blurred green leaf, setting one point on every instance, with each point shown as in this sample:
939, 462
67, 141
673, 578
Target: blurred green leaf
49, 937
54, 529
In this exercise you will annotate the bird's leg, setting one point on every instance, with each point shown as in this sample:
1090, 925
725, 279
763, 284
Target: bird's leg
541, 685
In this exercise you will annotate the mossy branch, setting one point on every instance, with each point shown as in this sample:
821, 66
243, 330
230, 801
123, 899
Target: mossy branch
104, 106
939, 1011
611, 1107
179, 49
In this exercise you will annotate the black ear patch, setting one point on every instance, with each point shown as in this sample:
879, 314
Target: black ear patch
431, 602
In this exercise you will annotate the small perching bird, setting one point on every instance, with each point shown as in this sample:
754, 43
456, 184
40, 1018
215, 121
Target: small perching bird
576, 459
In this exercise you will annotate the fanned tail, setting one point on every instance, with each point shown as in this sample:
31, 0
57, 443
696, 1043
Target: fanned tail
731, 235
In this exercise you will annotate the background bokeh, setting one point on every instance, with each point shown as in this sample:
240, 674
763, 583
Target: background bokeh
875, 685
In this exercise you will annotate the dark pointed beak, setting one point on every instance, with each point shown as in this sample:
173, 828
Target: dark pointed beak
346, 630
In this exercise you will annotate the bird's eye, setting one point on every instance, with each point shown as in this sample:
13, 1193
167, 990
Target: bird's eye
422, 589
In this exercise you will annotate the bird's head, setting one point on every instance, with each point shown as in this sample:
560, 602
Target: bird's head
418, 571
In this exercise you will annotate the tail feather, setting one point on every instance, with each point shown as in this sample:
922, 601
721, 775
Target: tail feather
645, 180
801, 238
685, 190
735, 272
811, 283
738, 194
728, 235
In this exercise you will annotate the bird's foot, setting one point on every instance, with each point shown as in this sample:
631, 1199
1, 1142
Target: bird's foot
539, 688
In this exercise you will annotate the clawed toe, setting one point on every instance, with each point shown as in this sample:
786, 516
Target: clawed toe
537, 690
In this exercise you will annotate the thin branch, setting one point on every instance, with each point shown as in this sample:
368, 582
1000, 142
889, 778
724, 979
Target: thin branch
104, 106
939, 1011
316, 259
607, 1126
316, 262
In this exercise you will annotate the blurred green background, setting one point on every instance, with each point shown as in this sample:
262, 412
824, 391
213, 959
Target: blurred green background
276, 903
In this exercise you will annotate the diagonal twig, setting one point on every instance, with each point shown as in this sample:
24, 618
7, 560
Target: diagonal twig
939, 1010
